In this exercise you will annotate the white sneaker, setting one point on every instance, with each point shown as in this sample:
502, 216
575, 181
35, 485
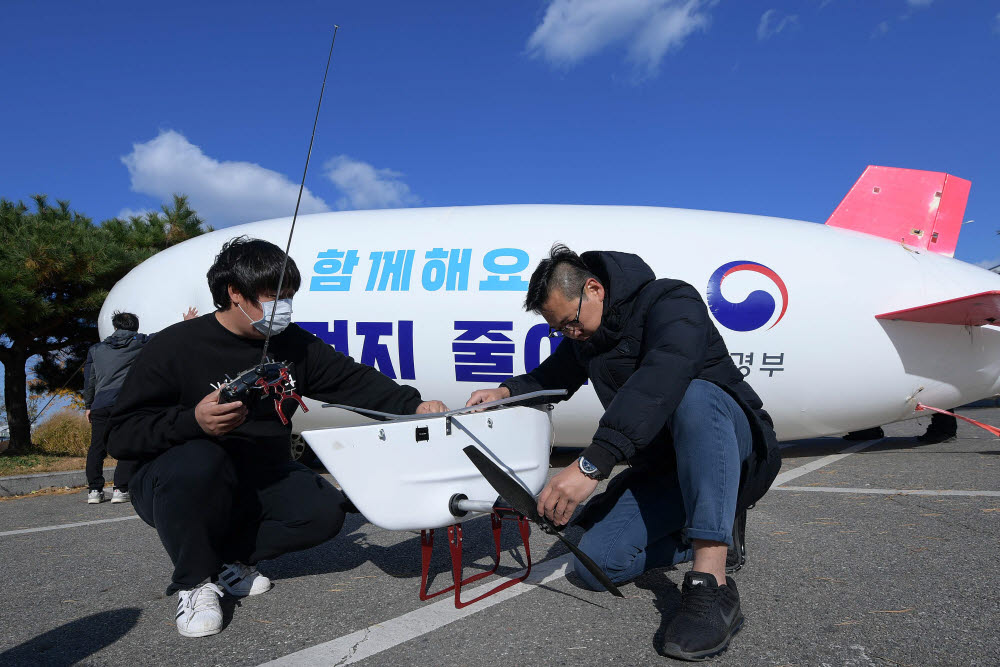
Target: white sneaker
96, 496
243, 580
118, 496
198, 611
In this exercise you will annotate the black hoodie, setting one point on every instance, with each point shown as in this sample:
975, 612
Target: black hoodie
655, 337
183, 363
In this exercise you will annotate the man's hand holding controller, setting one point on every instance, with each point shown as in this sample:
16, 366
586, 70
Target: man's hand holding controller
219, 418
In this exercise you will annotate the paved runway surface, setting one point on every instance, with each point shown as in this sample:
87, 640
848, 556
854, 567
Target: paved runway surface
843, 569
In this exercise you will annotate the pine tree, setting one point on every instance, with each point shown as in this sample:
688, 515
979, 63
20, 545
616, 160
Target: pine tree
56, 269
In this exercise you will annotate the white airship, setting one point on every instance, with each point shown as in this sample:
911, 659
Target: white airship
837, 327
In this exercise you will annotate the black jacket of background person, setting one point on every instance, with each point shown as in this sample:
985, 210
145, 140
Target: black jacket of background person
107, 365
185, 362
655, 338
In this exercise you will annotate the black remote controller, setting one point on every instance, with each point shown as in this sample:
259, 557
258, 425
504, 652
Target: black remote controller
240, 388
268, 377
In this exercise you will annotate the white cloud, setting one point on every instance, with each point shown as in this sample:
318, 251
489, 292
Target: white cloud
222, 193
771, 23
911, 5
996, 24
366, 187
127, 213
573, 30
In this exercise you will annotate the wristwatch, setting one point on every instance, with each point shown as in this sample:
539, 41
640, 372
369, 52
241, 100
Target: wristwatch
589, 469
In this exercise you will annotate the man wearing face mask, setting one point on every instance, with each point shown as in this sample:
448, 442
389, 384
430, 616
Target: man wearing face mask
216, 480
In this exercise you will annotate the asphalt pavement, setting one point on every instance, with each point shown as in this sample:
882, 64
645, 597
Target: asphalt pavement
878, 553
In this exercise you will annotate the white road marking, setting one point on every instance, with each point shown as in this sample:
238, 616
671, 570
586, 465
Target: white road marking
794, 473
383, 636
22, 531
888, 492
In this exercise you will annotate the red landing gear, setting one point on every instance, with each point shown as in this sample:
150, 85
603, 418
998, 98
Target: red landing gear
497, 518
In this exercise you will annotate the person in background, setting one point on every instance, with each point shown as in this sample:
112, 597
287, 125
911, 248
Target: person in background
103, 374
101, 382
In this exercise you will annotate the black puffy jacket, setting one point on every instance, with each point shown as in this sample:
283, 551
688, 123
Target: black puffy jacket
107, 365
655, 337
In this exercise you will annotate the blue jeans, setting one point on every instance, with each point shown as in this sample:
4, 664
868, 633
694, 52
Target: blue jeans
653, 521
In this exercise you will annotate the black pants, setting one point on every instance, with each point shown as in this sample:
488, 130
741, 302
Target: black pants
209, 510
98, 451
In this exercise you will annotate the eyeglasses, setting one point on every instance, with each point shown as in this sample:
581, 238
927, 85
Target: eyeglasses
574, 324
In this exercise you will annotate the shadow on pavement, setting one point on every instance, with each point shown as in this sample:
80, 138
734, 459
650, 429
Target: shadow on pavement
911, 446
667, 599
347, 551
352, 548
823, 446
70, 643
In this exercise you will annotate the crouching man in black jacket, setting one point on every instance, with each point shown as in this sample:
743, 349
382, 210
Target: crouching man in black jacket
216, 480
701, 447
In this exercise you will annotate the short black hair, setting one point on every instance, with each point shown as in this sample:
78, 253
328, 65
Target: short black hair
127, 321
562, 269
251, 266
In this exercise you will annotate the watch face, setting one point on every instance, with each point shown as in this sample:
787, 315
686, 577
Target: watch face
587, 467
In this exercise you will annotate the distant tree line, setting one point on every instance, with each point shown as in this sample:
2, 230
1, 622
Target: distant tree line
56, 269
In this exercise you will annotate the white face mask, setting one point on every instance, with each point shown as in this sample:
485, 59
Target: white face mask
282, 316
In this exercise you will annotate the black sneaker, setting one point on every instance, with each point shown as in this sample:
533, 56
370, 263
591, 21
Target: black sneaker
867, 434
708, 618
736, 555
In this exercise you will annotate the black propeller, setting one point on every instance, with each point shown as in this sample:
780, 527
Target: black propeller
523, 502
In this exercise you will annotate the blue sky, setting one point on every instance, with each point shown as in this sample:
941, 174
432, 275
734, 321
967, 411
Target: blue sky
770, 107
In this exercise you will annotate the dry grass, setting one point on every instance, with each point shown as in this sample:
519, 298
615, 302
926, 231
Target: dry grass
59, 443
66, 433
30, 464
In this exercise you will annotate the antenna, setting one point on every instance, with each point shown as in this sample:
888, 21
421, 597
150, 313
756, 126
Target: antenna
284, 264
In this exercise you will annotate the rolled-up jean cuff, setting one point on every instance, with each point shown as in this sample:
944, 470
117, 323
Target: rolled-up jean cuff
710, 535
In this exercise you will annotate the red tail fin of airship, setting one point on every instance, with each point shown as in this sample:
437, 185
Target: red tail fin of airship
922, 209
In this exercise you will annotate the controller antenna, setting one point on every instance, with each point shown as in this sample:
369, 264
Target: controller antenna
284, 265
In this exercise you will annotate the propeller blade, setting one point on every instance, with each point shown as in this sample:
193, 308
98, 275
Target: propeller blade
592, 567
521, 500
508, 487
